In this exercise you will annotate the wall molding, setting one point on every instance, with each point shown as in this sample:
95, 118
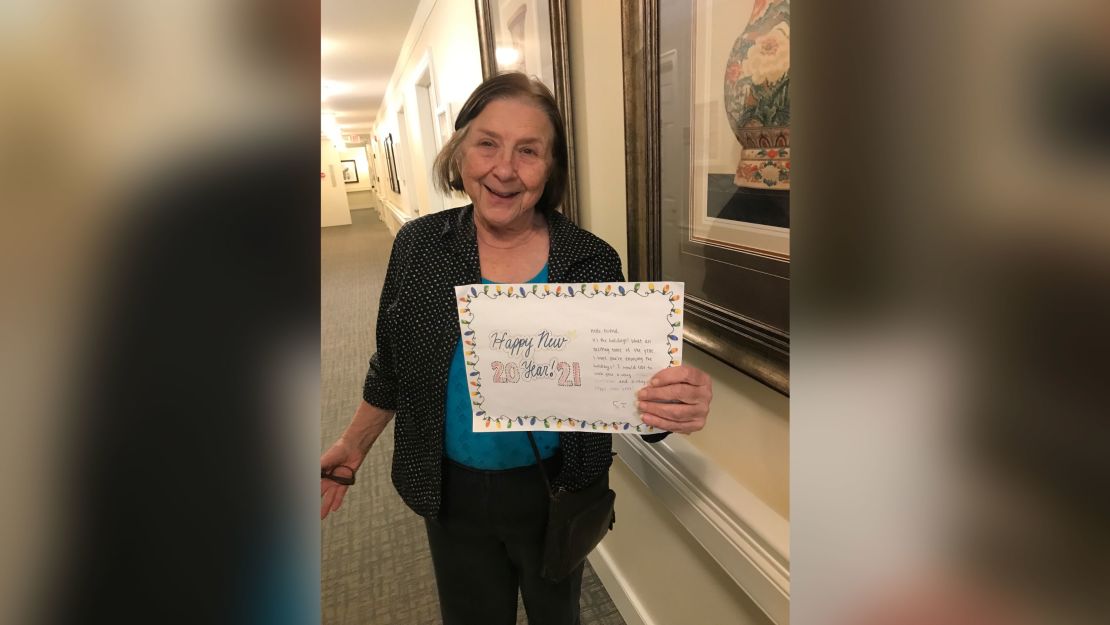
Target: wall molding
391, 215
620, 590
393, 87
401, 216
748, 539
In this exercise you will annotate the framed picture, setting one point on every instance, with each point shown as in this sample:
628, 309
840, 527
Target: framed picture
445, 124
350, 171
391, 164
706, 101
530, 36
372, 155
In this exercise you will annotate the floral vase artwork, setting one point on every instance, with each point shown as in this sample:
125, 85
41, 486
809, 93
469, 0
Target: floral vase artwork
757, 97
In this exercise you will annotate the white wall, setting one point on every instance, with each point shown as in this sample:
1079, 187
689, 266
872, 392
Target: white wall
749, 432
381, 189
652, 565
444, 36
599, 120
334, 210
361, 200
359, 194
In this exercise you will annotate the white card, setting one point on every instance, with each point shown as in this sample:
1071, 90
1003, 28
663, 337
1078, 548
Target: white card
566, 356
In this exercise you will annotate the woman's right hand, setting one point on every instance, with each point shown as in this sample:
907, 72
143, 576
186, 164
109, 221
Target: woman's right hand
331, 492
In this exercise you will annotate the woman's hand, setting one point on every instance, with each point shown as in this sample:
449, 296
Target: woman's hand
676, 399
349, 451
331, 492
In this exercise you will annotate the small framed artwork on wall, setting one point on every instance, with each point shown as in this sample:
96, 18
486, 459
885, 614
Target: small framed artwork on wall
350, 171
391, 163
445, 123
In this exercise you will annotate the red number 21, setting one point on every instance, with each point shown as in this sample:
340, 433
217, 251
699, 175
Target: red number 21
566, 371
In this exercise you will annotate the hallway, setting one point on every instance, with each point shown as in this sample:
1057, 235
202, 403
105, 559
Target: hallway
375, 565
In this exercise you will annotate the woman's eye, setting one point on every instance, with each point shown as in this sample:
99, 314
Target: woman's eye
485, 143
529, 151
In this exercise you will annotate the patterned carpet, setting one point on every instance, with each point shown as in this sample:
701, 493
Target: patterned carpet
375, 565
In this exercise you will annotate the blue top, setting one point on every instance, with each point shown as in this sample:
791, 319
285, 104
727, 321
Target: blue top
484, 450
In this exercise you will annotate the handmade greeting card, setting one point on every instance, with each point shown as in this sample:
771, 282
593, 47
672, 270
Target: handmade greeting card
566, 356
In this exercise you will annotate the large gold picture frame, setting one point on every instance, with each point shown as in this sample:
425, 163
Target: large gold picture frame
737, 296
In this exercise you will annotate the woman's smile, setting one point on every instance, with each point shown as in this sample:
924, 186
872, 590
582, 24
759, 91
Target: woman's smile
502, 194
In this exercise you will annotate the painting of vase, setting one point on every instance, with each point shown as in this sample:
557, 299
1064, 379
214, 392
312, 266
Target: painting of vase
739, 121
757, 97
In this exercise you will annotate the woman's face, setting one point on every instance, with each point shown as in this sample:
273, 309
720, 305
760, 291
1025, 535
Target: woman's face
506, 158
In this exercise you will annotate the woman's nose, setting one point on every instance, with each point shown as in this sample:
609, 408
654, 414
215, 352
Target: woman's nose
504, 167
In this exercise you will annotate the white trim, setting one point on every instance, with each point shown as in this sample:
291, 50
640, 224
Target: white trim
392, 216
401, 216
416, 28
620, 591
739, 531
425, 64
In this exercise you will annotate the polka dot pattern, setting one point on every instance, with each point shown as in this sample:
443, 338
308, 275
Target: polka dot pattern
418, 331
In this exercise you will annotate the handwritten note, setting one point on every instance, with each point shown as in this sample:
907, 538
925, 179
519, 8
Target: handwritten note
566, 356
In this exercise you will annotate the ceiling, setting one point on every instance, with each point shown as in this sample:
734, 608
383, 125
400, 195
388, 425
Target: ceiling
360, 41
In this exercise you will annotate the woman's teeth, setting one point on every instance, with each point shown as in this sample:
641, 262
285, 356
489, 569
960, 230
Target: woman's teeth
502, 195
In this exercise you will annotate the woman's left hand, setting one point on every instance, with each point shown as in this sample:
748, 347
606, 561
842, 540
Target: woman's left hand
676, 399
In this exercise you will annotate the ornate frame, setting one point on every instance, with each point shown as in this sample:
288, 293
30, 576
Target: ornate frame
756, 348
354, 170
391, 163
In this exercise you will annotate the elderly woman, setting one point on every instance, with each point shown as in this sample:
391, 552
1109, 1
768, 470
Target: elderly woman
481, 494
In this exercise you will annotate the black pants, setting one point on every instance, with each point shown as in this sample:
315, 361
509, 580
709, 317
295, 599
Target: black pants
487, 542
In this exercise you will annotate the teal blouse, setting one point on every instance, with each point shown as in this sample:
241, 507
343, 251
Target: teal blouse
484, 450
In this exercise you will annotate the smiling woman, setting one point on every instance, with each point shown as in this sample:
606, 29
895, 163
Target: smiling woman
485, 507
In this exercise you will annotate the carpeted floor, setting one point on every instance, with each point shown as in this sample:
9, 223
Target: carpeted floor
375, 565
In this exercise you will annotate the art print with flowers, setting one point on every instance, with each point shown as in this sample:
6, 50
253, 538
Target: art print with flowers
708, 176
566, 357
741, 126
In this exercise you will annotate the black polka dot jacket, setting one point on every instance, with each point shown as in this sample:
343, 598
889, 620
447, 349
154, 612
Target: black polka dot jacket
418, 330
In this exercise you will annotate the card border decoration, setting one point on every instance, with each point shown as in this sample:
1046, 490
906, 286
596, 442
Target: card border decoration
588, 290
559, 82
354, 170
734, 336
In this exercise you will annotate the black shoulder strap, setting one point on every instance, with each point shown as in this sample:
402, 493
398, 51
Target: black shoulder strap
539, 463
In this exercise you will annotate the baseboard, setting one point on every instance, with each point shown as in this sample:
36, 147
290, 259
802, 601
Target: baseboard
620, 591
749, 540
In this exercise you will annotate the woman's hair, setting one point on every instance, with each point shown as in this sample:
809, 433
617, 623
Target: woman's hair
510, 85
